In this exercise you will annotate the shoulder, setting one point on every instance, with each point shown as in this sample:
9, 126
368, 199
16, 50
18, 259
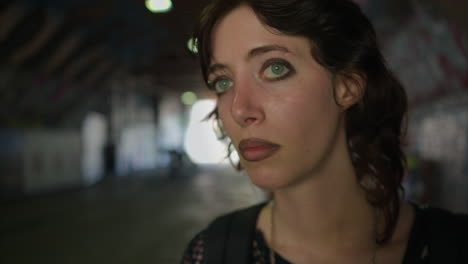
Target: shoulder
241, 215
444, 219
446, 232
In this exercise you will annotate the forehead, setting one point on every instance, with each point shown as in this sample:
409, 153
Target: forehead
241, 31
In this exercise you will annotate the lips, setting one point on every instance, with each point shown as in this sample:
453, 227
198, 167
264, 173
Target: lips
257, 149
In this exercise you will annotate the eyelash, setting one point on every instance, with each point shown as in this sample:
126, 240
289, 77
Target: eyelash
211, 84
282, 62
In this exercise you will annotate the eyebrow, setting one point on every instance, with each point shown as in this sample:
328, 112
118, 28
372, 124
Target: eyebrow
216, 67
252, 53
264, 49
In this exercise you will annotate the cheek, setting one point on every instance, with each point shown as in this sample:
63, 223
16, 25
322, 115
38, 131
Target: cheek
308, 104
307, 115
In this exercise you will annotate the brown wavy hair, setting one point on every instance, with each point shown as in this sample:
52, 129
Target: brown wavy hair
344, 42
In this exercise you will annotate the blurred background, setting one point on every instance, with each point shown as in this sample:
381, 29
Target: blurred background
103, 155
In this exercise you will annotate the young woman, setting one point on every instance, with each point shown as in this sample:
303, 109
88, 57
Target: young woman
307, 101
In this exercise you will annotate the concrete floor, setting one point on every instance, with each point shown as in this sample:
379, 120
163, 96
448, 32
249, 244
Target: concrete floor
130, 220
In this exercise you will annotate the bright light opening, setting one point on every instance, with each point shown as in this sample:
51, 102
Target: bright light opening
201, 143
188, 98
159, 6
192, 45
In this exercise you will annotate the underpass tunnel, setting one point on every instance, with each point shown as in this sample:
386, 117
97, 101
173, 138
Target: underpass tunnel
106, 151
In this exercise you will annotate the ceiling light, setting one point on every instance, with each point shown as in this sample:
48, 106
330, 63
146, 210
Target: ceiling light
189, 98
192, 45
159, 6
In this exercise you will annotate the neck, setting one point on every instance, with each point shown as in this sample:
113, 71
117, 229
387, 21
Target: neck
329, 211
334, 219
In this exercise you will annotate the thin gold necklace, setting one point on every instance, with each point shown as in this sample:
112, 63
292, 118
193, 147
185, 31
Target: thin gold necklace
272, 229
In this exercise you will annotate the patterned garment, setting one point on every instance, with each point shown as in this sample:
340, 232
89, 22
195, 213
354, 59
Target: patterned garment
195, 251
417, 251
260, 252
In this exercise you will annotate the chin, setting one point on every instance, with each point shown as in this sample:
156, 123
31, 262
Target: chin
266, 178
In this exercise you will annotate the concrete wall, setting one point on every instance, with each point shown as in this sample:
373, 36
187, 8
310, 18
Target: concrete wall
11, 162
430, 56
438, 133
38, 161
52, 160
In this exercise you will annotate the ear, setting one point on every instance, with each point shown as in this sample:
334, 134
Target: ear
349, 89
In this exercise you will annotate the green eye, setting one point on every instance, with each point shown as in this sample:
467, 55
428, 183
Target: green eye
276, 71
222, 85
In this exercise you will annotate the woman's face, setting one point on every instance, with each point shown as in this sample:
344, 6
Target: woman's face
275, 101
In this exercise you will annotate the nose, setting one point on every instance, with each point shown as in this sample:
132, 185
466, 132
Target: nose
246, 108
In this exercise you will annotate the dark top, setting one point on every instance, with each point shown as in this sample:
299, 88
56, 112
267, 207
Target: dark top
418, 250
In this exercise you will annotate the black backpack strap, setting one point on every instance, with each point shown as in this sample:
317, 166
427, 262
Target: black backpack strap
229, 237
